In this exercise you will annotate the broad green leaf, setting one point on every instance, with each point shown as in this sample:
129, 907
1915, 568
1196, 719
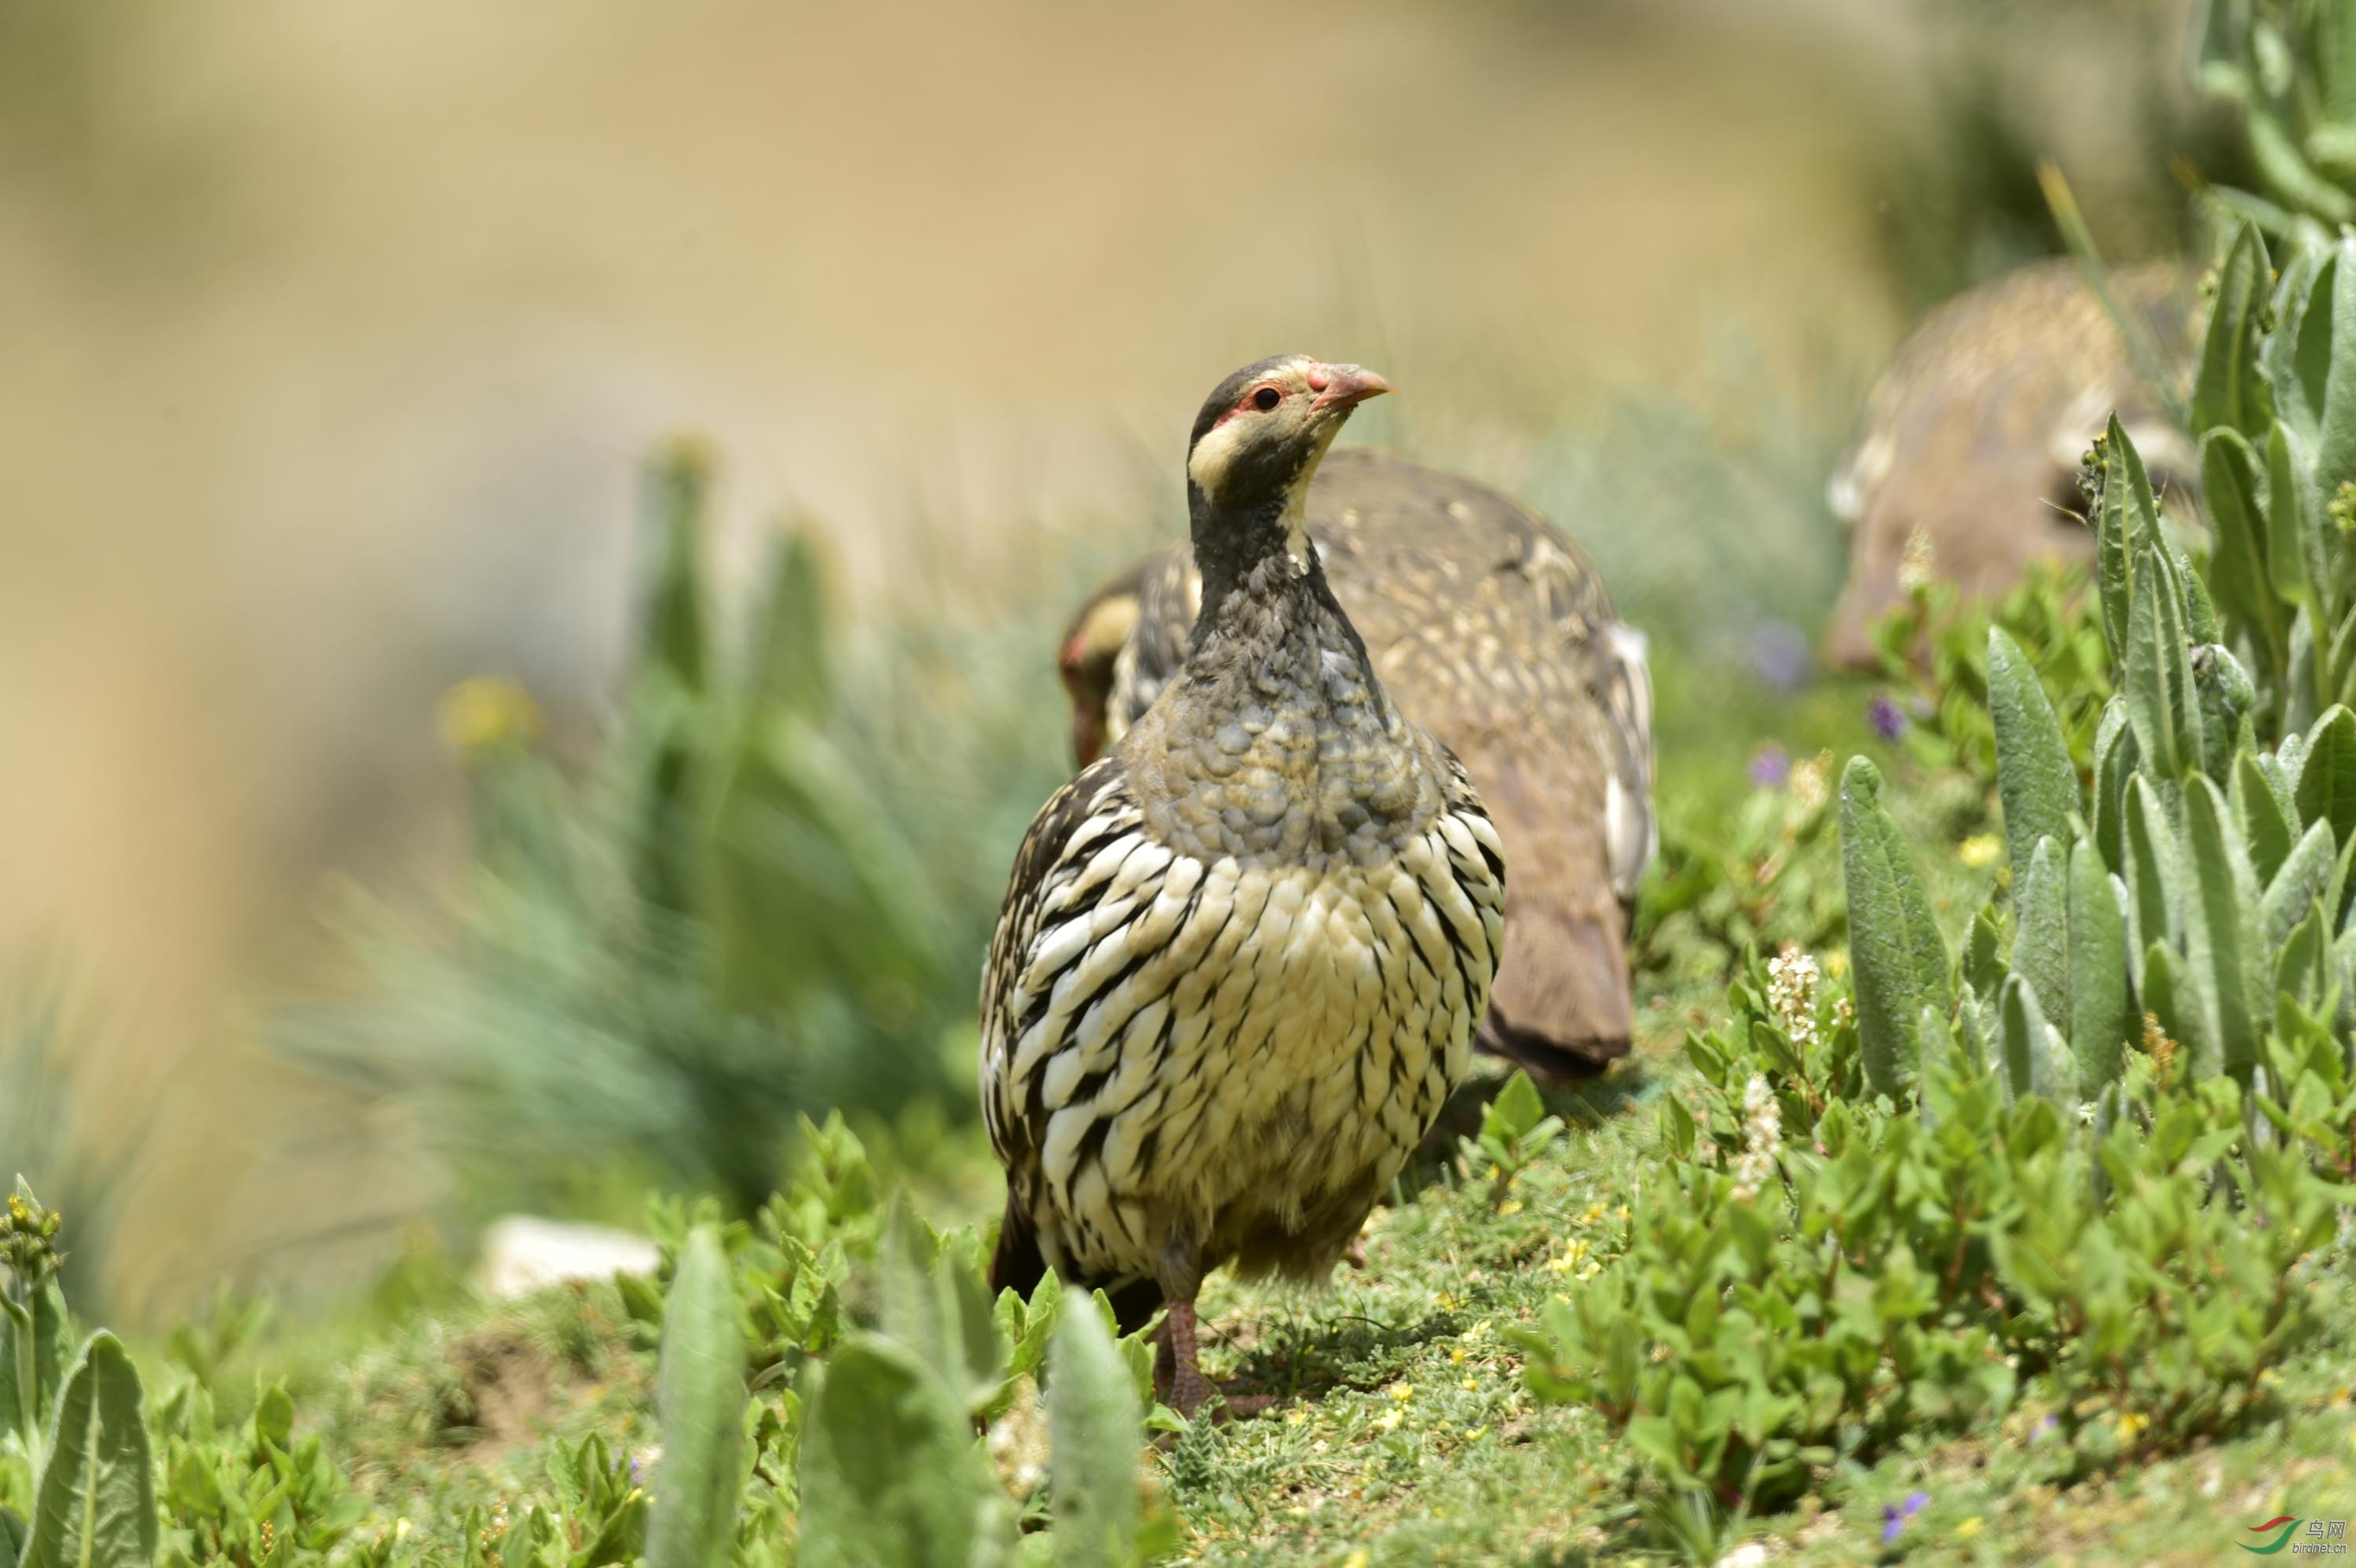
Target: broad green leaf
2279, 354
2164, 997
1093, 1419
2230, 389
2162, 705
2336, 439
2264, 824
32, 1362
2040, 947
936, 1301
2302, 964
2326, 791
700, 1398
2304, 877
2033, 773
2125, 517
2036, 1060
2286, 509
96, 1501
2237, 565
1515, 1111
1983, 962
2098, 971
891, 1476
2227, 696
2114, 762
2154, 869
1895, 948
2303, 706
2220, 926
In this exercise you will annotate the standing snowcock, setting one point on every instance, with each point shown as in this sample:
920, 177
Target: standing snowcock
1244, 953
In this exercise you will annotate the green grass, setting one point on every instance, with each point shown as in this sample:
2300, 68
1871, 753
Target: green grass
1411, 1440
1404, 1433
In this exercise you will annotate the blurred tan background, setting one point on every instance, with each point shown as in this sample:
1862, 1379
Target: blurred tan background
333, 335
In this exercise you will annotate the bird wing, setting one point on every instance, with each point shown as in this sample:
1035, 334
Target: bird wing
1091, 809
1168, 597
1620, 683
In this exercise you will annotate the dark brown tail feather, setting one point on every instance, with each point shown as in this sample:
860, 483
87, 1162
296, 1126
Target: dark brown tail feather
1018, 1266
1561, 1007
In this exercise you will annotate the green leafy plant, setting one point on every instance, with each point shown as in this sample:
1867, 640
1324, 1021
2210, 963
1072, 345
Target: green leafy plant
703, 1403
1514, 1131
2287, 67
77, 1428
754, 902
1933, 648
892, 1470
1818, 1277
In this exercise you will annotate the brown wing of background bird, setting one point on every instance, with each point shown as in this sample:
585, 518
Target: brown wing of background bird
1493, 632
1975, 431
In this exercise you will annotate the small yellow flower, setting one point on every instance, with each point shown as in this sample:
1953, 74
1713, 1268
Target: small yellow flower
1388, 1421
1968, 1528
1456, 1352
484, 712
1295, 1417
1475, 1433
1510, 1206
1402, 1391
1621, 1213
1358, 1559
2130, 1423
1470, 1384
1593, 1212
1980, 850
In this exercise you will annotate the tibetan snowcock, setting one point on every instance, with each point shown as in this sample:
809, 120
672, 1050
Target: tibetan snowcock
1491, 628
1244, 953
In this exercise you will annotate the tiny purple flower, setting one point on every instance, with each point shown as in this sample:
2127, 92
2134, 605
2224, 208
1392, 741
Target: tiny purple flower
1770, 766
1895, 1515
2045, 1426
1887, 721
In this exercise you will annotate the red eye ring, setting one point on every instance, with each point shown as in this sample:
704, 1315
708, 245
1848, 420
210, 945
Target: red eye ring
1266, 399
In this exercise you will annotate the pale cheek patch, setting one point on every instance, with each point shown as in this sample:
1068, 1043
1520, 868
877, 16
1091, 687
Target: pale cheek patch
1215, 454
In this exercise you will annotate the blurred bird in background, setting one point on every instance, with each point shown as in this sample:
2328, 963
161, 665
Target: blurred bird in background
1491, 629
1244, 953
1971, 440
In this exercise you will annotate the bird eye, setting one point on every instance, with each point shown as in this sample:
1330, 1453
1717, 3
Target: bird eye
1266, 399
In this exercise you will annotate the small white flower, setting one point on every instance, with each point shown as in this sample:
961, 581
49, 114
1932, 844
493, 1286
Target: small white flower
1763, 1139
1791, 978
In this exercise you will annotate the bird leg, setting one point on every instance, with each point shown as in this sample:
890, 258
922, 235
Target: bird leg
1178, 1380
